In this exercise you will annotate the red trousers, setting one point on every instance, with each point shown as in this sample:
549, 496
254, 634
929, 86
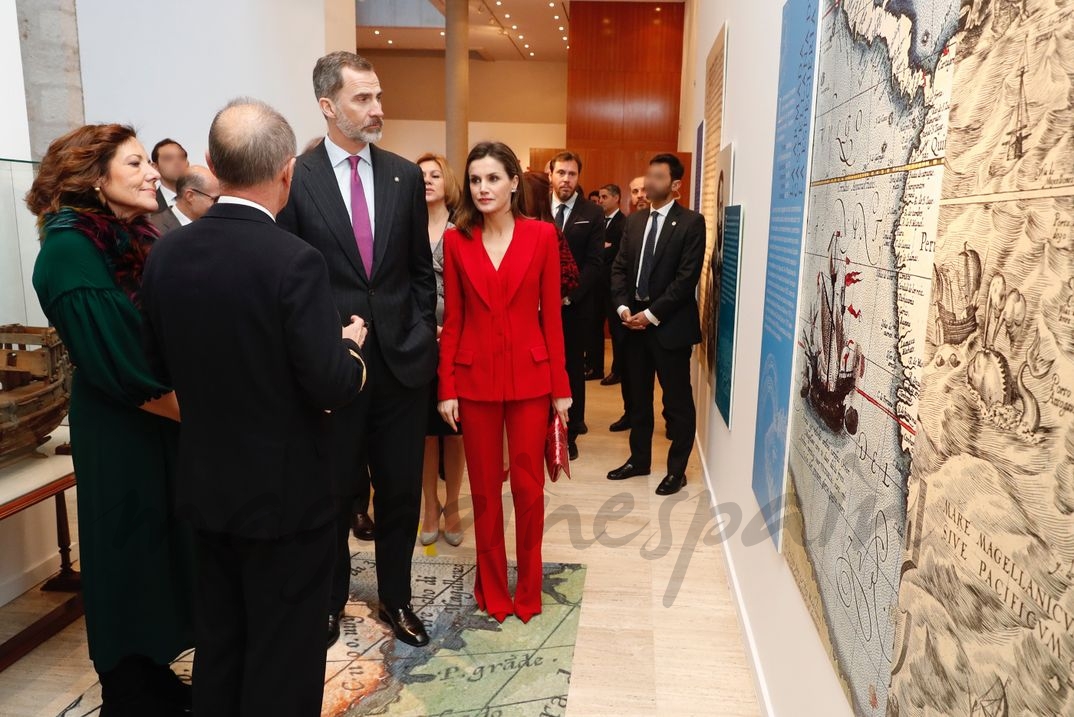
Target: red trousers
482, 436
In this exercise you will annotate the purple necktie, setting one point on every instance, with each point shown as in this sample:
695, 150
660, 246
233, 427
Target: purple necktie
363, 230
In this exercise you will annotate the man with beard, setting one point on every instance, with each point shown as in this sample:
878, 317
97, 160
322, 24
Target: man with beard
582, 224
364, 209
654, 280
638, 200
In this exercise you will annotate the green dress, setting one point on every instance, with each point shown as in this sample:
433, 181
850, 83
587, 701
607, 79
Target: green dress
136, 556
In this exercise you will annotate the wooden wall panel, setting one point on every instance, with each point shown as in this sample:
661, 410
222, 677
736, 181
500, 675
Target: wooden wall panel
624, 69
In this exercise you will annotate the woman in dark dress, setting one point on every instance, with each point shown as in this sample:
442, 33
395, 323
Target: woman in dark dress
442, 194
91, 196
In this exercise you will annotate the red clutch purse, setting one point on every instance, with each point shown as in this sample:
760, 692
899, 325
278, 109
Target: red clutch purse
555, 449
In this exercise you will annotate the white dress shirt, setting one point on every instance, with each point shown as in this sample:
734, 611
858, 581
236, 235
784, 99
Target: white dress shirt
226, 199
183, 219
570, 206
169, 195
661, 216
341, 165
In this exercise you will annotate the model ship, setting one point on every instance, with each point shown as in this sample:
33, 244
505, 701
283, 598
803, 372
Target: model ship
35, 387
956, 286
833, 361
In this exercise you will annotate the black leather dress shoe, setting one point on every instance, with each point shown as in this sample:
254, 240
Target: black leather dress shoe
363, 527
581, 429
610, 380
405, 624
572, 450
627, 470
671, 484
623, 424
333, 627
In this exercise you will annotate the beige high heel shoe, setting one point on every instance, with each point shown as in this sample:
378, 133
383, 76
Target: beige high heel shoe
428, 538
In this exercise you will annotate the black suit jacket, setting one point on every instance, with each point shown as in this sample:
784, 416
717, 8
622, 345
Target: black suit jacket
240, 320
680, 249
613, 234
399, 300
165, 220
162, 203
584, 232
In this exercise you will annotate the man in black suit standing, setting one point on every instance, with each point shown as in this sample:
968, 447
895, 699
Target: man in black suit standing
654, 279
364, 209
240, 320
582, 224
609, 197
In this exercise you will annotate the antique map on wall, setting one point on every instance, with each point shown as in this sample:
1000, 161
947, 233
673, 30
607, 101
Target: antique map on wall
707, 298
884, 72
986, 605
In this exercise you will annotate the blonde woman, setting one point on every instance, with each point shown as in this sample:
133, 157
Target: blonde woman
442, 194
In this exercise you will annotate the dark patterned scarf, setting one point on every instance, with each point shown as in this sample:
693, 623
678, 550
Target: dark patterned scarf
124, 243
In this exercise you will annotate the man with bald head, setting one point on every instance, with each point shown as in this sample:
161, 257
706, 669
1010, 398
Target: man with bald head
195, 192
240, 320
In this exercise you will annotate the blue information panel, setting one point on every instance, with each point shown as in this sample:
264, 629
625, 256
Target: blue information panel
789, 179
728, 322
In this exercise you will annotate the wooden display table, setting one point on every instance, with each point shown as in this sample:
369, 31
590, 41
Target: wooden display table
26, 483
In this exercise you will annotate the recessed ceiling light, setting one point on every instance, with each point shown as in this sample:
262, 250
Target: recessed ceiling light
514, 27
441, 33
564, 38
561, 28
391, 42
527, 46
498, 3
521, 37
507, 15
376, 32
551, 4
555, 17
658, 9
531, 54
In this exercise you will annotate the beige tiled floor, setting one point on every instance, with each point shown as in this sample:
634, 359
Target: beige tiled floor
658, 633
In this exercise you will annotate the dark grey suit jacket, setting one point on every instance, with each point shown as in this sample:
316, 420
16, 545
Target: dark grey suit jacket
399, 300
164, 221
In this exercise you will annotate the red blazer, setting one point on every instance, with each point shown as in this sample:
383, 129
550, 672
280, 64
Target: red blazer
503, 330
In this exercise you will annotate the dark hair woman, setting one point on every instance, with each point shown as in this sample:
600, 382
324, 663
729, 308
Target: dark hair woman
503, 367
91, 196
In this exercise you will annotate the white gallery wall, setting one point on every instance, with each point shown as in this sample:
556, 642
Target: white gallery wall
166, 68
794, 675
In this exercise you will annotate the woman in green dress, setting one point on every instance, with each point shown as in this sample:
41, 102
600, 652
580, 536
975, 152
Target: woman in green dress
91, 195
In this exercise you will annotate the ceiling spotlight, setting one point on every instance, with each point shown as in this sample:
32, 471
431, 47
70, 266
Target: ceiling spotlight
551, 4
561, 28
527, 46
521, 37
498, 3
658, 8
376, 32
441, 33
555, 17
391, 42
514, 27
507, 16
564, 38
531, 54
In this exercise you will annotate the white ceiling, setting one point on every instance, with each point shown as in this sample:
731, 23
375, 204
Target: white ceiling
503, 30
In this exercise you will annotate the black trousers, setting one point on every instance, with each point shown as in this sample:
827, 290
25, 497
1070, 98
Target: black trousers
649, 360
576, 326
260, 617
380, 438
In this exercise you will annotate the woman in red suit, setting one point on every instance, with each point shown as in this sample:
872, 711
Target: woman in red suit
502, 365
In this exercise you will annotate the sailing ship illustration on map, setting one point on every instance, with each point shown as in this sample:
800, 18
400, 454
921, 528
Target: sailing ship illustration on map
833, 359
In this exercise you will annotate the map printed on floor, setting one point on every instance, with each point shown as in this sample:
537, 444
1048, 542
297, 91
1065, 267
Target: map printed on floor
884, 74
986, 604
473, 665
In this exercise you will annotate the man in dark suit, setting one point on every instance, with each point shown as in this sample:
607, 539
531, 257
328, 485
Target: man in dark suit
582, 224
364, 209
196, 192
614, 221
654, 279
169, 158
240, 320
